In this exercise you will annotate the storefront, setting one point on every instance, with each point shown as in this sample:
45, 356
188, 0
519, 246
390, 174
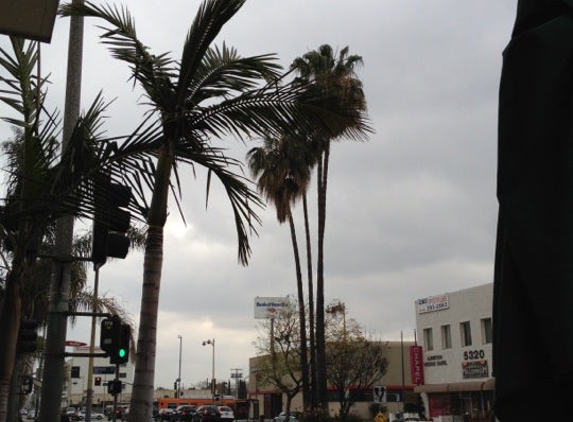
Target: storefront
473, 400
456, 383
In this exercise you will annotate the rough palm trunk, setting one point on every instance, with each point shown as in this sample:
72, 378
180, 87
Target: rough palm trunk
9, 321
141, 406
301, 312
320, 328
312, 346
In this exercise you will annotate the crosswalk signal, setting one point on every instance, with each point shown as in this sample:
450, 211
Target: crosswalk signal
109, 334
114, 387
97, 381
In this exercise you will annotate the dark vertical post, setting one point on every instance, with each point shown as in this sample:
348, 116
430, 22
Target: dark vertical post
53, 377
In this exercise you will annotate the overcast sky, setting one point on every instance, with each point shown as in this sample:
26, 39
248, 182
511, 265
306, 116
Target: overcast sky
411, 213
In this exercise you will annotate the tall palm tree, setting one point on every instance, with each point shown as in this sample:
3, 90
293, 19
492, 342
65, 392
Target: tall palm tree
335, 76
210, 92
282, 169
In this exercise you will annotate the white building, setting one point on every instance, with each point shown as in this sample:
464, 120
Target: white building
103, 372
456, 331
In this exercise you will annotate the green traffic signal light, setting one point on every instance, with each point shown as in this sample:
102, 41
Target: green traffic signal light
120, 354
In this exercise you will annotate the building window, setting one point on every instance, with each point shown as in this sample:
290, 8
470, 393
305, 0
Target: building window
466, 333
428, 339
446, 337
486, 331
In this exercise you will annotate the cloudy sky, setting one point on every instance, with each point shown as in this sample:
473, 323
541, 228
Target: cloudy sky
411, 213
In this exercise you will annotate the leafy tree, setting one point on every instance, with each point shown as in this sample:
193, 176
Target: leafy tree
354, 363
209, 93
278, 352
336, 76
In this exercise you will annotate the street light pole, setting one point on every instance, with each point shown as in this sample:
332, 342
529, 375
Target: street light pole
179, 374
212, 343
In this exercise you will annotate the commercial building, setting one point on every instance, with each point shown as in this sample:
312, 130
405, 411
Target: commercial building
397, 385
456, 329
103, 372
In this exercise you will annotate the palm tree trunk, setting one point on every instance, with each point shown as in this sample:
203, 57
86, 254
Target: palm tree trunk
141, 406
301, 312
320, 328
312, 345
9, 321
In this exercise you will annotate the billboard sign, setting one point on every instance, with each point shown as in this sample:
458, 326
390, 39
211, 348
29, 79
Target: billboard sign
433, 303
475, 369
269, 307
417, 365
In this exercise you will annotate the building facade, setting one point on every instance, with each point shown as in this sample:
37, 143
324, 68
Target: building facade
103, 372
456, 383
396, 381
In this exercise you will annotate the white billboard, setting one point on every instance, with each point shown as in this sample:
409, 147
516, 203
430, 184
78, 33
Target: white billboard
268, 307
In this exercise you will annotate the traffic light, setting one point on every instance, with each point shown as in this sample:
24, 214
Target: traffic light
121, 354
109, 334
114, 339
97, 381
27, 385
27, 336
111, 222
114, 387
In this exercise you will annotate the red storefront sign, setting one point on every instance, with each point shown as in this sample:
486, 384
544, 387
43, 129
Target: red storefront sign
417, 365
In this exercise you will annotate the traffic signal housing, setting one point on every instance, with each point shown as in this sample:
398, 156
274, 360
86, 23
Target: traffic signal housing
115, 339
27, 385
27, 336
97, 381
114, 387
111, 221
121, 354
109, 334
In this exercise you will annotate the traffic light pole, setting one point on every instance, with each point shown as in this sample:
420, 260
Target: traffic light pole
53, 375
116, 393
90, 391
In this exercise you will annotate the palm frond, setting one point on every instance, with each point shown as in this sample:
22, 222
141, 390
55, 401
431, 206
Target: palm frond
209, 20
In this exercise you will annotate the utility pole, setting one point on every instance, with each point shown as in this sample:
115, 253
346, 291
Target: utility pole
237, 374
57, 321
179, 373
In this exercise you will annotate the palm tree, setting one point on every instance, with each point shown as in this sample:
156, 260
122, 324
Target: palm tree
282, 169
45, 181
38, 189
210, 92
335, 76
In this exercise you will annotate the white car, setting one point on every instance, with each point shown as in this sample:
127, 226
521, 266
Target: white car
226, 413
95, 416
282, 417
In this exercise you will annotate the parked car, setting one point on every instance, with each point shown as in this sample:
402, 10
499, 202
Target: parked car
72, 414
184, 413
212, 413
119, 414
165, 414
94, 415
226, 413
282, 417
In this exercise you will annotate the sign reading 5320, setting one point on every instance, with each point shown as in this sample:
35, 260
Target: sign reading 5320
474, 354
